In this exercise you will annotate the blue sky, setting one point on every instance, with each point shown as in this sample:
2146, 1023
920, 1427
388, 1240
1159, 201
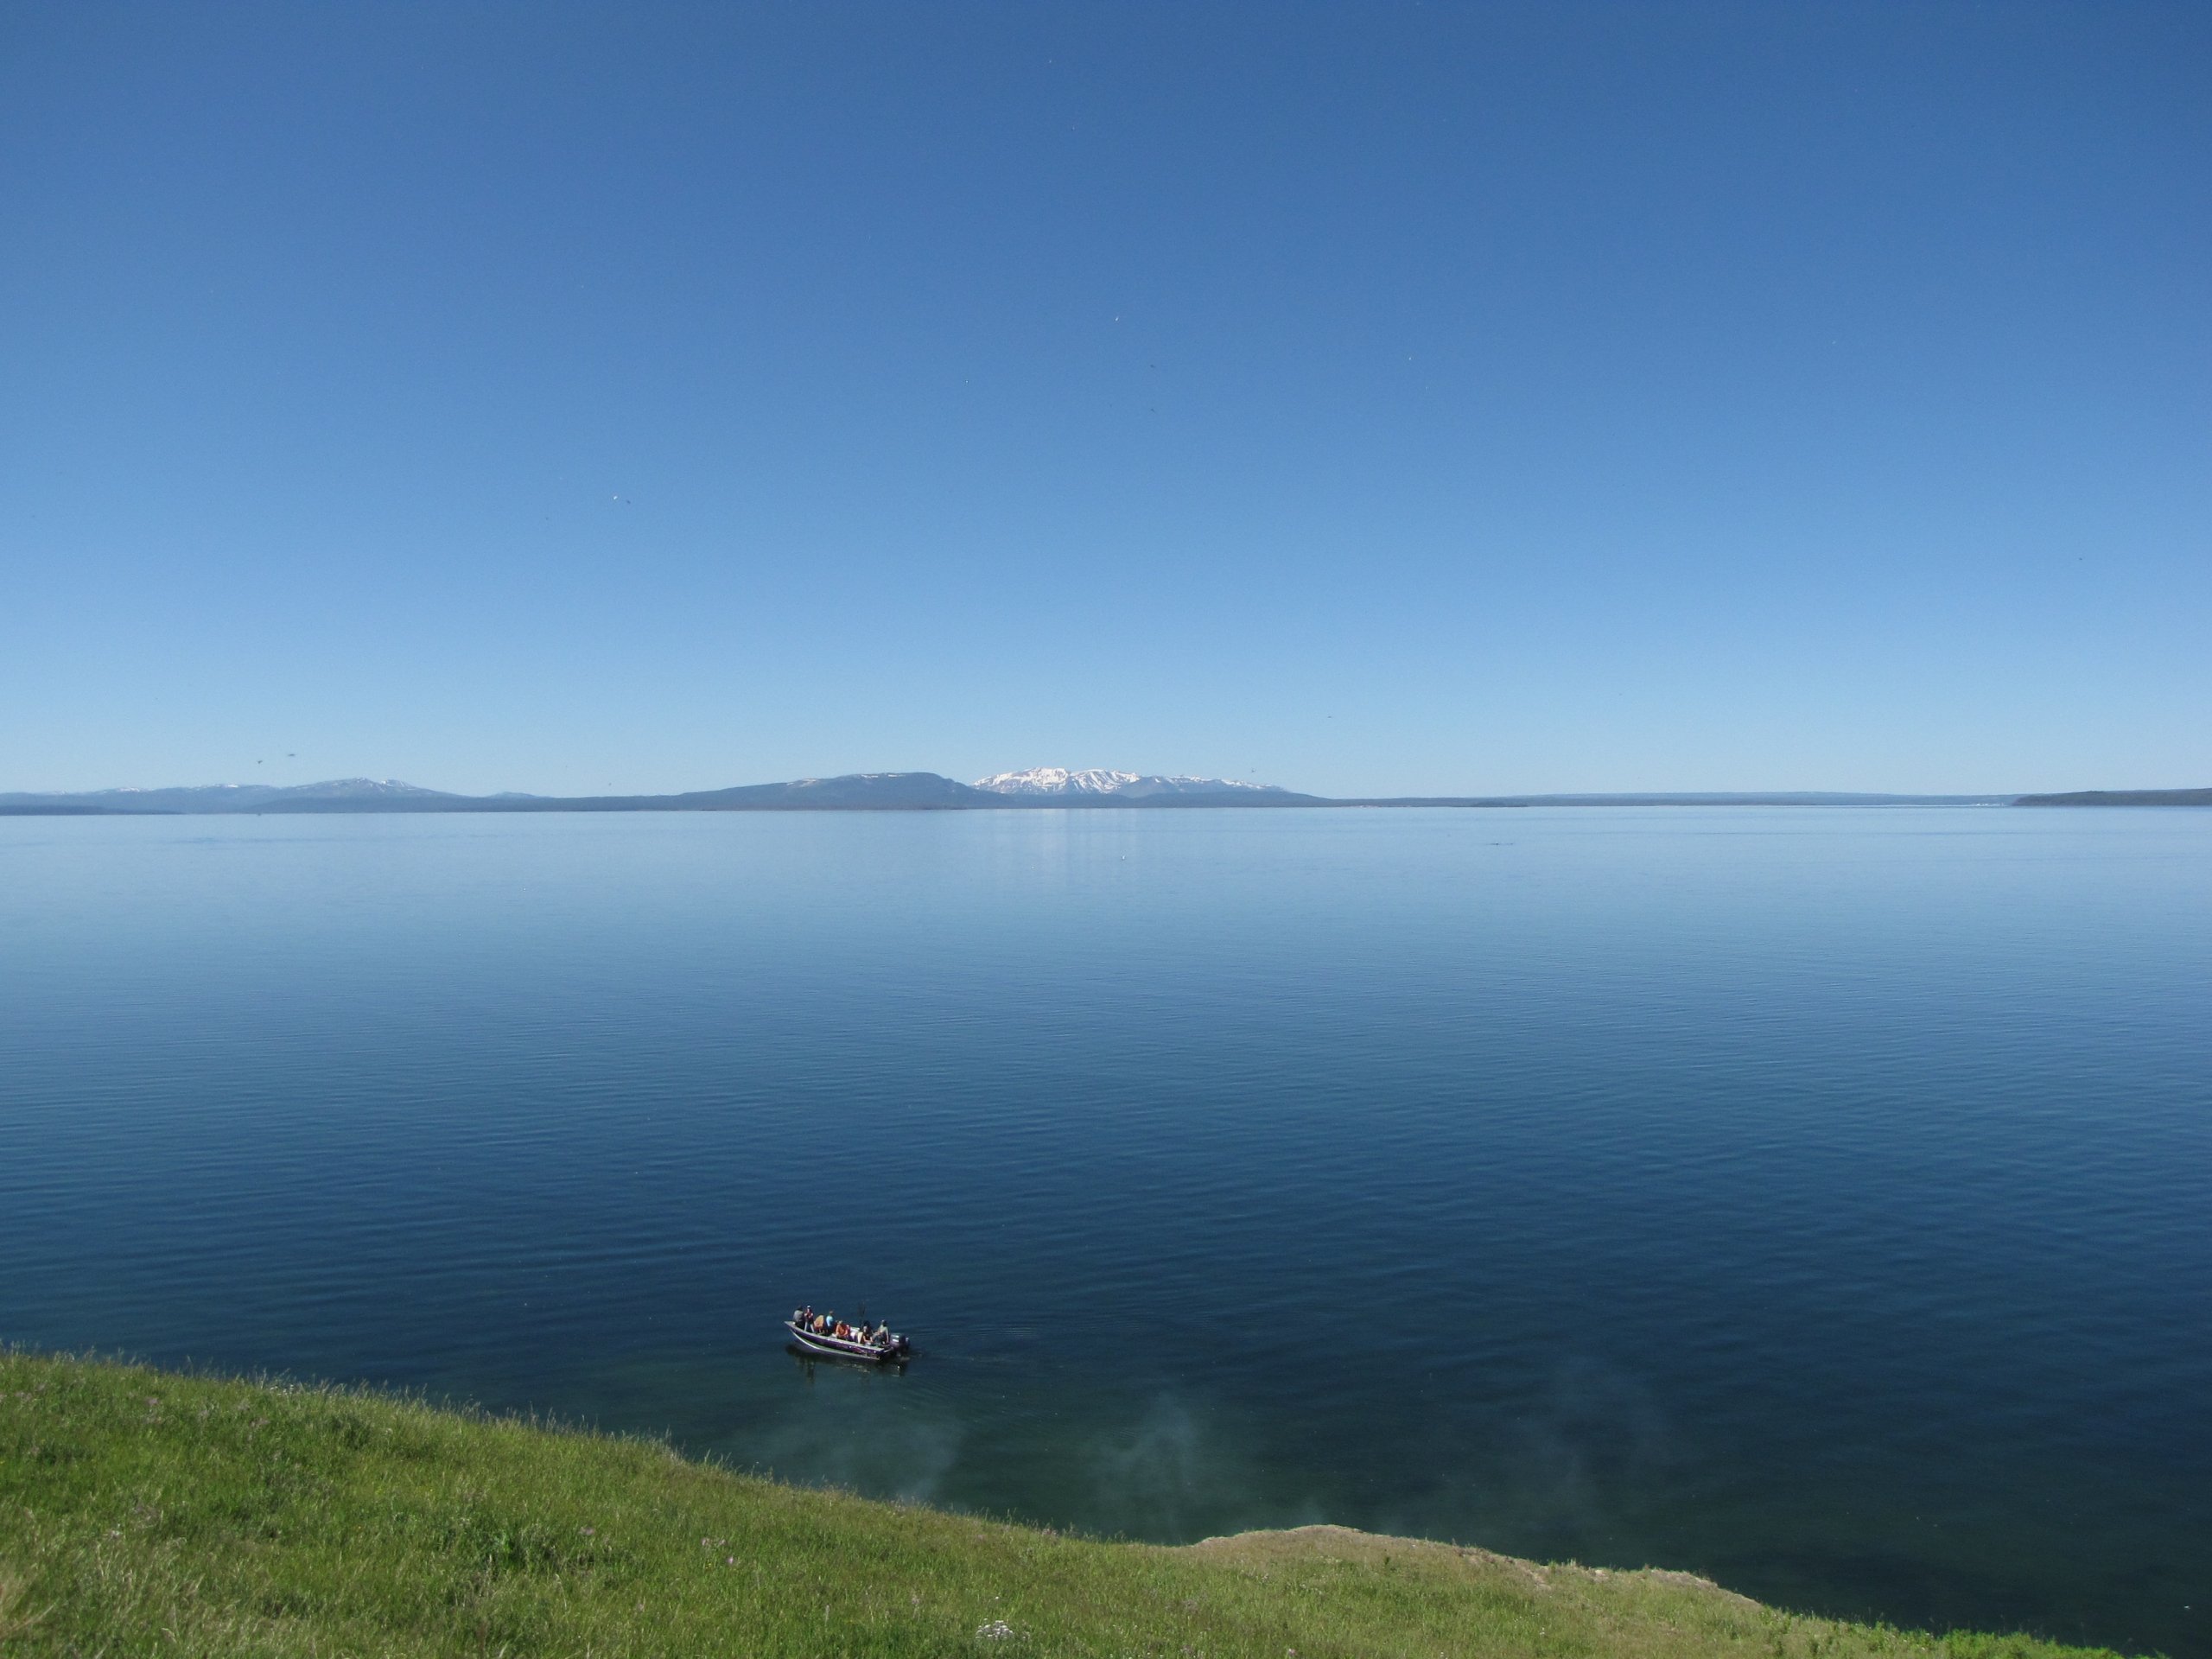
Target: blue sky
1383, 397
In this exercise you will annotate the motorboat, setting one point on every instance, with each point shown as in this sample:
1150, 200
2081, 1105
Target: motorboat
818, 1334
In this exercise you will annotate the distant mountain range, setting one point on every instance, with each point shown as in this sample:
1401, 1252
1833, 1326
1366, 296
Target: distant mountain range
1043, 786
908, 792
338, 795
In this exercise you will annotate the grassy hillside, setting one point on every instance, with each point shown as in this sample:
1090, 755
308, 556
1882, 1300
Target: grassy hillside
145, 1513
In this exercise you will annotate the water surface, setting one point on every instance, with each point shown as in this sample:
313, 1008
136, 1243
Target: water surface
1815, 1199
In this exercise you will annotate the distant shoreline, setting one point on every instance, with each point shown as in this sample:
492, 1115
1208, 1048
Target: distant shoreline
2121, 797
929, 792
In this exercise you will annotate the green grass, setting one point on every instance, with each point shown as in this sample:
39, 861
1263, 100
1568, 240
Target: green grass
147, 1513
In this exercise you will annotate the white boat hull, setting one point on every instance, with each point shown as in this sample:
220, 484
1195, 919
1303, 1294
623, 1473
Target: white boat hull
844, 1348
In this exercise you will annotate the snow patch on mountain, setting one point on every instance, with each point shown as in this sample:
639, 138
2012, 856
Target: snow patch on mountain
1058, 780
1098, 780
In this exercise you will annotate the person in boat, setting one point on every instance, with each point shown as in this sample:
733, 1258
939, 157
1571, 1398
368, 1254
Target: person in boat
880, 1335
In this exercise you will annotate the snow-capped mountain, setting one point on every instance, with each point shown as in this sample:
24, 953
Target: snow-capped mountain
1096, 781
1056, 780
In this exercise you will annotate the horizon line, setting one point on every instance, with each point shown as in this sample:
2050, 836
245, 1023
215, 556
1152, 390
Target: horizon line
391, 794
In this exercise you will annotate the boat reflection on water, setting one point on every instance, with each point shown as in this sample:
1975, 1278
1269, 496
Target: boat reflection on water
858, 1371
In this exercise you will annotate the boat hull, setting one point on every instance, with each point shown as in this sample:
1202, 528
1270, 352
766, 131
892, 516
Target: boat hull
841, 1347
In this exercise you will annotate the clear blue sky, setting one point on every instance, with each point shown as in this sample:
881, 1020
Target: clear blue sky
1406, 397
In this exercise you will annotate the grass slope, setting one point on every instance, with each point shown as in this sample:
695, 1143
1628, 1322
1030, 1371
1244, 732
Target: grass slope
147, 1513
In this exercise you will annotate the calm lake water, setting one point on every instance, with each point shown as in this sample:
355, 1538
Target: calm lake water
1819, 1199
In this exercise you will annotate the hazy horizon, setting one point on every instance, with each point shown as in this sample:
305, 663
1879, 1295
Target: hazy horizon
9, 792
